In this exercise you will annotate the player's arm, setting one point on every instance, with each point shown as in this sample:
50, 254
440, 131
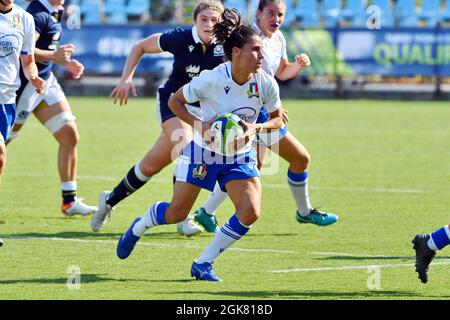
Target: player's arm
146, 46
30, 71
177, 103
288, 70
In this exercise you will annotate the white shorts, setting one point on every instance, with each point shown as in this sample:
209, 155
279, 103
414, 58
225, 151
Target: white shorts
30, 99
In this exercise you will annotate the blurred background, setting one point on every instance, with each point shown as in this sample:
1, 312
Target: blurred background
358, 48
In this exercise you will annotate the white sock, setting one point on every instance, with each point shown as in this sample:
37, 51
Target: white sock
431, 244
216, 198
298, 183
231, 232
69, 186
149, 220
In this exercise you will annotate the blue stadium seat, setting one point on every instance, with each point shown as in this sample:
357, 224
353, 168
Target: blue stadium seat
386, 13
331, 11
237, 4
306, 12
138, 7
405, 12
90, 12
355, 12
290, 14
114, 6
119, 17
445, 17
22, 3
430, 12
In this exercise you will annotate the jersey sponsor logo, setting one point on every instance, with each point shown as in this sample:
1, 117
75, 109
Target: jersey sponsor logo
227, 89
218, 51
8, 45
192, 71
253, 90
16, 21
191, 48
199, 171
247, 114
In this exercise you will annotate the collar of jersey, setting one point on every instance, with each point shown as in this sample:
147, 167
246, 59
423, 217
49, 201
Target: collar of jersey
197, 38
48, 6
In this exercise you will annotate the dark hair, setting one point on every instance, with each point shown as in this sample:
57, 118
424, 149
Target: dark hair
215, 5
263, 3
231, 33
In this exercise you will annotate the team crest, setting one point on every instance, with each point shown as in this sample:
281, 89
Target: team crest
199, 171
253, 90
16, 21
218, 51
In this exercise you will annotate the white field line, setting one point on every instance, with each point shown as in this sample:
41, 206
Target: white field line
343, 254
272, 186
149, 244
444, 262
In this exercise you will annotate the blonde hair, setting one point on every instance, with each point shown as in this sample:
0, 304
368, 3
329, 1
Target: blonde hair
215, 5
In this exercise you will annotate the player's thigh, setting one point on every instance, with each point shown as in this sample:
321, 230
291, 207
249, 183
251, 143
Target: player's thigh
45, 112
179, 134
183, 199
291, 150
158, 157
246, 197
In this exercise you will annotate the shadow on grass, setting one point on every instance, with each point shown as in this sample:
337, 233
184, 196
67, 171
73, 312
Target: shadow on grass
362, 258
379, 294
92, 235
85, 278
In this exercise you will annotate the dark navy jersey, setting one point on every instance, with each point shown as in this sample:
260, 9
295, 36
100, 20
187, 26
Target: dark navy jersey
48, 24
189, 57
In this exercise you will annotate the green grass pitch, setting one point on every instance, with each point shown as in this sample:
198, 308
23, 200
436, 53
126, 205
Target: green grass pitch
382, 166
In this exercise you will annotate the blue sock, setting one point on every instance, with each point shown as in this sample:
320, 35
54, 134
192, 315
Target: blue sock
134, 180
441, 237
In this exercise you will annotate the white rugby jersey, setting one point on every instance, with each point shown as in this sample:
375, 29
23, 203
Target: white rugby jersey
218, 93
274, 49
16, 38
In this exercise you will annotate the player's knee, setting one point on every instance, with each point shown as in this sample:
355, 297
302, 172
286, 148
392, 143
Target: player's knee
150, 168
301, 162
2, 161
249, 214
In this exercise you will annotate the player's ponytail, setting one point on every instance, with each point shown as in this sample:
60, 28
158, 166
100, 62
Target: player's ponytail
231, 33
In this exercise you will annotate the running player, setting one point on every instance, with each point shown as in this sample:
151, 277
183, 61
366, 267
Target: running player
52, 108
240, 87
16, 46
269, 18
194, 50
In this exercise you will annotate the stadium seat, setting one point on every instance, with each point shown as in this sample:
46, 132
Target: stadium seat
90, 12
405, 12
331, 11
445, 17
290, 14
385, 10
138, 7
237, 4
114, 7
306, 12
118, 18
22, 3
430, 12
355, 13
